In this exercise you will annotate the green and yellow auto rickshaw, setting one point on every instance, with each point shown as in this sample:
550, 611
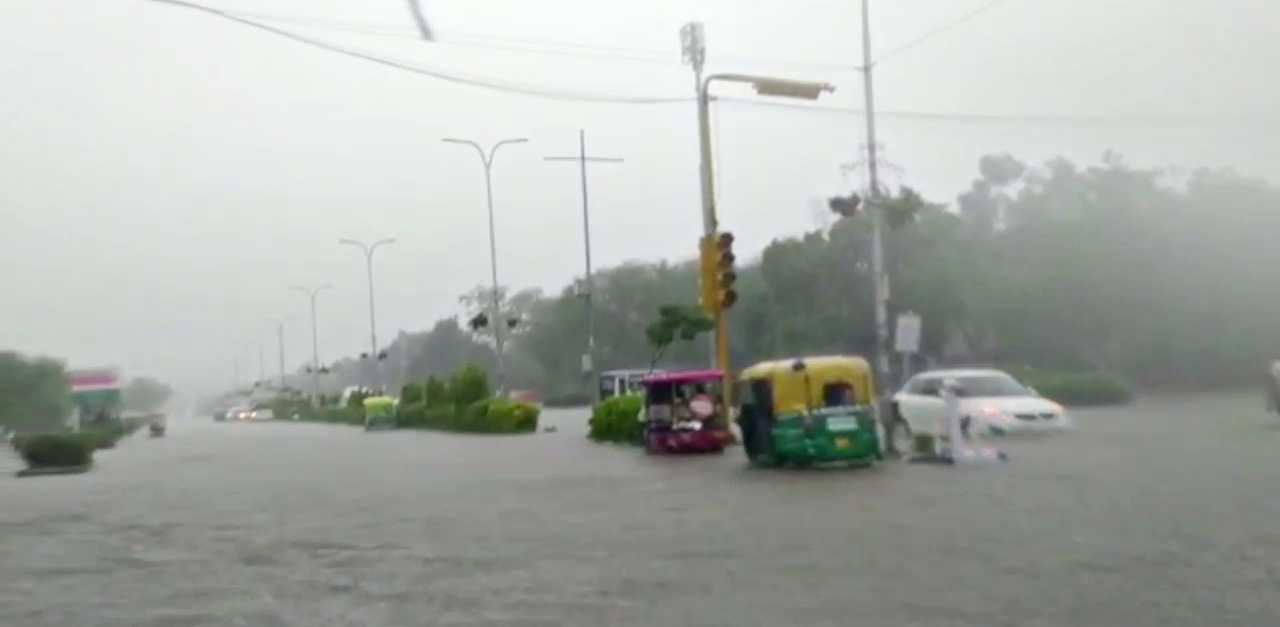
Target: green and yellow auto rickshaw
809, 410
379, 413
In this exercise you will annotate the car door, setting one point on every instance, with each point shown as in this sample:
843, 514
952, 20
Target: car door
920, 403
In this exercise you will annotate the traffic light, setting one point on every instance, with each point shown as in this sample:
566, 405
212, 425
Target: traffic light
726, 271
845, 206
708, 274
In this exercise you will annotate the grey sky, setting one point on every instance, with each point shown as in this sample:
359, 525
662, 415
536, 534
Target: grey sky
171, 174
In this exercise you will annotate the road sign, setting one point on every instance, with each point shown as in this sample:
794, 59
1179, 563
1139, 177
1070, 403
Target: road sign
906, 338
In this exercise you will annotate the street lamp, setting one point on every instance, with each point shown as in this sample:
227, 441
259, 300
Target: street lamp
764, 86
312, 293
496, 317
368, 250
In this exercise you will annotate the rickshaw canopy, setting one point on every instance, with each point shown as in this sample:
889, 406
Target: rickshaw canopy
379, 402
803, 388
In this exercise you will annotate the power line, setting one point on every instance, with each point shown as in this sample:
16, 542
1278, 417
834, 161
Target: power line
525, 90
516, 44
570, 96
943, 28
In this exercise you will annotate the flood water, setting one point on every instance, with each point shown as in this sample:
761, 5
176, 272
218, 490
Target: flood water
1162, 513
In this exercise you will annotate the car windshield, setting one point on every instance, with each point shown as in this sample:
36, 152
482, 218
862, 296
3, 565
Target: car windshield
991, 385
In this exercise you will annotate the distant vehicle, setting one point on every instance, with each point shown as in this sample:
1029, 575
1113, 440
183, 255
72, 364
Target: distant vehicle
991, 401
621, 382
238, 413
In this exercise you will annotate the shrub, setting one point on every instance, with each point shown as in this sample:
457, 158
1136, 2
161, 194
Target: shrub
469, 385
483, 416
411, 393
1080, 389
104, 434
435, 393
616, 420
51, 450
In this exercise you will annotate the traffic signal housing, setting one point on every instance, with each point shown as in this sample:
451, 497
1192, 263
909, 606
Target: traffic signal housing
726, 271
708, 274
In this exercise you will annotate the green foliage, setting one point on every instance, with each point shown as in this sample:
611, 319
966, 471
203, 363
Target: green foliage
483, 416
1079, 389
356, 399
675, 323
34, 395
145, 394
52, 450
616, 420
469, 385
435, 392
107, 433
411, 393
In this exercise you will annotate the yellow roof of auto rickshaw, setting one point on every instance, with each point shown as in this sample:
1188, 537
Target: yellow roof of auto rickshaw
379, 401
766, 368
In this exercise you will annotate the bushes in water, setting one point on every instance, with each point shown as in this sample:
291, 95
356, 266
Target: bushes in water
616, 420
54, 450
490, 415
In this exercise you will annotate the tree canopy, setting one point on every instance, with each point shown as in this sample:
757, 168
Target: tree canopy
1161, 276
34, 394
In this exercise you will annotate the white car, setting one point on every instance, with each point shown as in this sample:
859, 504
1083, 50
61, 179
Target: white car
246, 414
994, 402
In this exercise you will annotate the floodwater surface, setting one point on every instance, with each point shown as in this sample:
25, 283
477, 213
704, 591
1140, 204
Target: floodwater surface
1163, 513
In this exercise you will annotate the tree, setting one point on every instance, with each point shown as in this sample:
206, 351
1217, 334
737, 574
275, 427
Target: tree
34, 393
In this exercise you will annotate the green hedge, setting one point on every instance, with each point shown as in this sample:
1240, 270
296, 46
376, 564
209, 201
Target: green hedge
484, 416
52, 450
1078, 389
616, 420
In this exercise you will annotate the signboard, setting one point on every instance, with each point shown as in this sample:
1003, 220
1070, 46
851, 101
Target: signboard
906, 337
95, 379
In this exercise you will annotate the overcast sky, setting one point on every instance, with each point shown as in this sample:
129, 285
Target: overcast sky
169, 174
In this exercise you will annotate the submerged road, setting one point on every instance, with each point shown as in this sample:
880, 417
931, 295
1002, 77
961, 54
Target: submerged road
1164, 513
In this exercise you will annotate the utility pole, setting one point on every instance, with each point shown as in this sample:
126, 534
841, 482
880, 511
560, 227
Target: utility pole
589, 359
875, 206
693, 51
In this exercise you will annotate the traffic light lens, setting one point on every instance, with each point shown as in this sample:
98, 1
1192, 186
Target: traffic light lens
726, 240
728, 299
727, 260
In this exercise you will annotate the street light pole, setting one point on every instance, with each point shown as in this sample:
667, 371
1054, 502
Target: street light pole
589, 362
312, 293
279, 322
367, 250
499, 325
693, 42
875, 207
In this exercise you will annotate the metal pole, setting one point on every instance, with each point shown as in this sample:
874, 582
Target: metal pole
315, 352
499, 324
313, 295
280, 339
589, 296
368, 250
262, 363
875, 207
373, 318
694, 50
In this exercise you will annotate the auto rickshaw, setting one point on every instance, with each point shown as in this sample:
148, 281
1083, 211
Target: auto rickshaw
683, 413
379, 413
809, 410
156, 427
